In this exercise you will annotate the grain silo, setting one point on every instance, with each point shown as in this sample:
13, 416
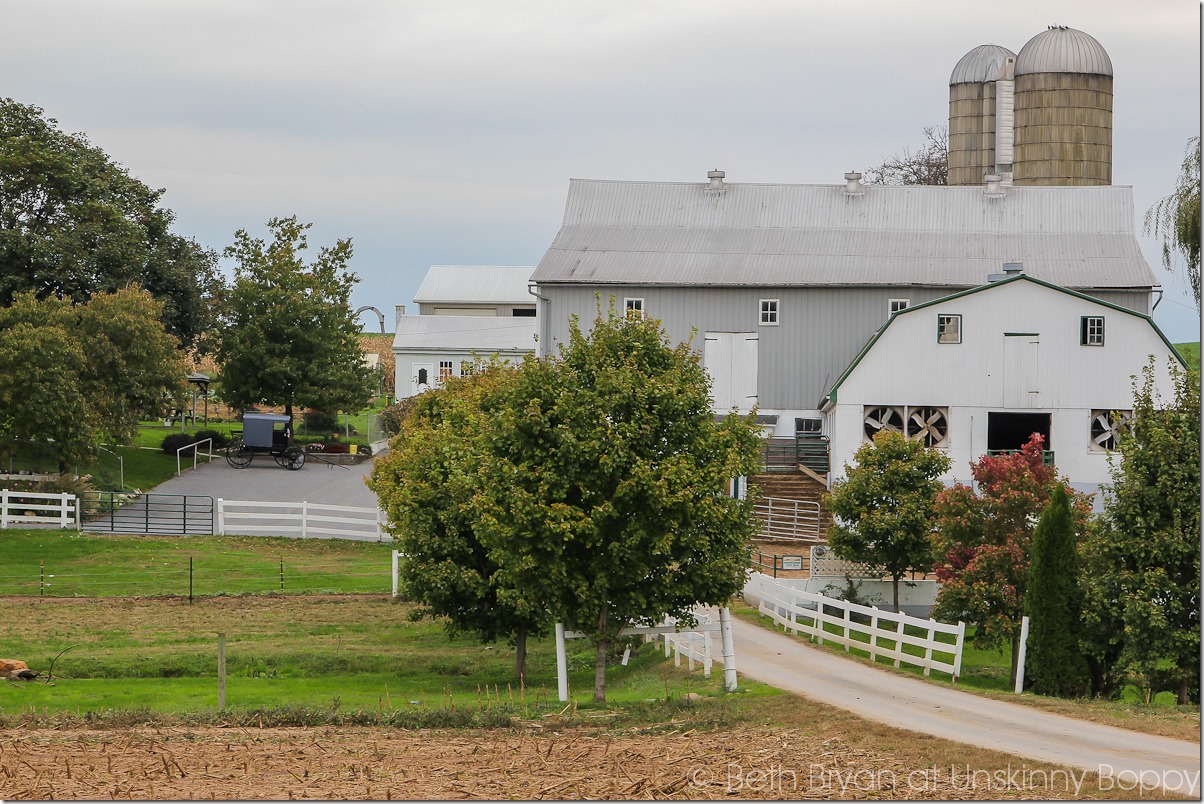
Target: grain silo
980, 115
1063, 110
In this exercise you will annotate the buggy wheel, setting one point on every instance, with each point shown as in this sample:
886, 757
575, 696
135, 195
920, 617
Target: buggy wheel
292, 458
239, 455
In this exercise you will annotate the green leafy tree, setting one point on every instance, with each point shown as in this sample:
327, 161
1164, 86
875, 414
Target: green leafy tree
1055, 663
1176, 219
983, 542
1141, 587
425, 484
884, 506
606, 477
289, 336
73, 223
73, 375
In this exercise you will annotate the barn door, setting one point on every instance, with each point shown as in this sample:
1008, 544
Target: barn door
731, 360
1020, 353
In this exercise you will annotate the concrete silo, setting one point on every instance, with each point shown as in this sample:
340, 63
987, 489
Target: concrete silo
980, 115
1063, 106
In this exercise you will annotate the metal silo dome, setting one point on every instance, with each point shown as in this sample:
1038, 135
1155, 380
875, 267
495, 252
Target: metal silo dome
1063, 111
1063, 50
983, 63
980, 115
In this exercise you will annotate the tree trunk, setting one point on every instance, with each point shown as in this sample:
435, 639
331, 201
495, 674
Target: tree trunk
520, 651
1015, 659
1183, 700
602, 647
895, 584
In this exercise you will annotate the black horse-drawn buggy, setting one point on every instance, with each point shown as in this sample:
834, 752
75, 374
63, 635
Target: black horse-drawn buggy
266, 434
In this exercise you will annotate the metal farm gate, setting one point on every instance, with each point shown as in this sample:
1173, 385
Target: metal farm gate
166, 514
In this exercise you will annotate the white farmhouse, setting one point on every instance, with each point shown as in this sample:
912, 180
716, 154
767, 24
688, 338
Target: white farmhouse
979, 371
466, 313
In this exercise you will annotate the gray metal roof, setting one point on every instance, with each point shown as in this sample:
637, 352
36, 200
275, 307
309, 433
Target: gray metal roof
484, 335
983, 63
657, 233
475, 284
1063, 50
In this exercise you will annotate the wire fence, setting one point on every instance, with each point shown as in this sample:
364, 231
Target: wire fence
195, 578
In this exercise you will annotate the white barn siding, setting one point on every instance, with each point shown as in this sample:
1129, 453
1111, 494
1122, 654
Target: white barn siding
907, 366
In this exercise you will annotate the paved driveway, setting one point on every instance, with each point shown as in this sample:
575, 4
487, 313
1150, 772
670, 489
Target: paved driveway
909, 703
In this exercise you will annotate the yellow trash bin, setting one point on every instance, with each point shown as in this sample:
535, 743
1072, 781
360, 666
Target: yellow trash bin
354, 448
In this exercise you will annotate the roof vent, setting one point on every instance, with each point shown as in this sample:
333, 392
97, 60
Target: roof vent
853, 184
716, 177
1013, 268
994, 186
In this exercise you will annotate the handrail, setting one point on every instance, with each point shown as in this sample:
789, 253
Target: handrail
193, 446
788, 520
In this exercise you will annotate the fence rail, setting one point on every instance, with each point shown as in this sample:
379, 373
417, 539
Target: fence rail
304, 519
867, 628
784, 520
195, 447
34, 508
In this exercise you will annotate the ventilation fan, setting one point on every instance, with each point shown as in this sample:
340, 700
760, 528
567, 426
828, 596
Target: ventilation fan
1105, 428
930, 425
883, 418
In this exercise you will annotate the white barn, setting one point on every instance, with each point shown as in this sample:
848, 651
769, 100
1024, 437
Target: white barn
429, 349
981, 370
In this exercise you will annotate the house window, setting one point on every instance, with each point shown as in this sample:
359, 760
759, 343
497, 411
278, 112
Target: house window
1106, 426
445, 370
948, 329
634, 307
467, 368
1091, 330
899, 304
769, 312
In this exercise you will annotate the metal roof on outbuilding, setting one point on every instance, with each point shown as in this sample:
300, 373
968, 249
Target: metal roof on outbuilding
475, 284
484, 335
661, 233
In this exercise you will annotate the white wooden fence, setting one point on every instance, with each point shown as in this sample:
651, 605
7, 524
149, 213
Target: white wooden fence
880, 633
31, 508
304, 519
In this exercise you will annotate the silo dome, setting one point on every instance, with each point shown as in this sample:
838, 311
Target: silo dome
983, 63
1063, 50
1063, 110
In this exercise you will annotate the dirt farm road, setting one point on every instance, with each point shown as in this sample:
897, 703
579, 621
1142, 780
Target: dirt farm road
908, 703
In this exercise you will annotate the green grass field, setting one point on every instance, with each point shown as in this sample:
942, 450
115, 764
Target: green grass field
93, 565
1190, 353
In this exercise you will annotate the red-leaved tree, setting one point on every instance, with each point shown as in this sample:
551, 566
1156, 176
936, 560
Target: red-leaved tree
983, 541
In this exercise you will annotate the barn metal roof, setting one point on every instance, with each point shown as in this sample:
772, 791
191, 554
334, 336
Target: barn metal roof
983, 63
617, 232
475, 284
1063, 50
484, 335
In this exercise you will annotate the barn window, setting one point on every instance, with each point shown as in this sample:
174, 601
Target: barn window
445, 370
769, 312
467, 368
899, 304
1091, 330
634, 307
948, 329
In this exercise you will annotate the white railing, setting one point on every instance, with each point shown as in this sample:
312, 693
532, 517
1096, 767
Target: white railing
787, 520
304, 519
195, 447
32, 508
809, 613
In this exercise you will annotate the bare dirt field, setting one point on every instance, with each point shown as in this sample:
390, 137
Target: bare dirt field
535, 761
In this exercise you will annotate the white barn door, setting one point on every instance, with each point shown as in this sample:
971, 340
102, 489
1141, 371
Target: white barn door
1020, 352
731, 360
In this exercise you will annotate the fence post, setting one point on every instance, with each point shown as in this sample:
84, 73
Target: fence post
281, 573
562, 664
63, 510
3, 508
190, 580
1020, 656
42, 567
304, 519
221, 671
729, 649
957, 657
395, 557
221, 517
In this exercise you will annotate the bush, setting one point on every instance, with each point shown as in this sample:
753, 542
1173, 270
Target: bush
392, 416
320, 422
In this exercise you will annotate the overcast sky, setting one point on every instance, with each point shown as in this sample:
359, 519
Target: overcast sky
446, 132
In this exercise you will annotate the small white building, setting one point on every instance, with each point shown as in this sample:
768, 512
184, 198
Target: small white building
430, 348
983, 369
476, 290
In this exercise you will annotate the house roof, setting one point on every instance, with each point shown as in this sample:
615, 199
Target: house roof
831, 399
475, 284
484, 335
657, 233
